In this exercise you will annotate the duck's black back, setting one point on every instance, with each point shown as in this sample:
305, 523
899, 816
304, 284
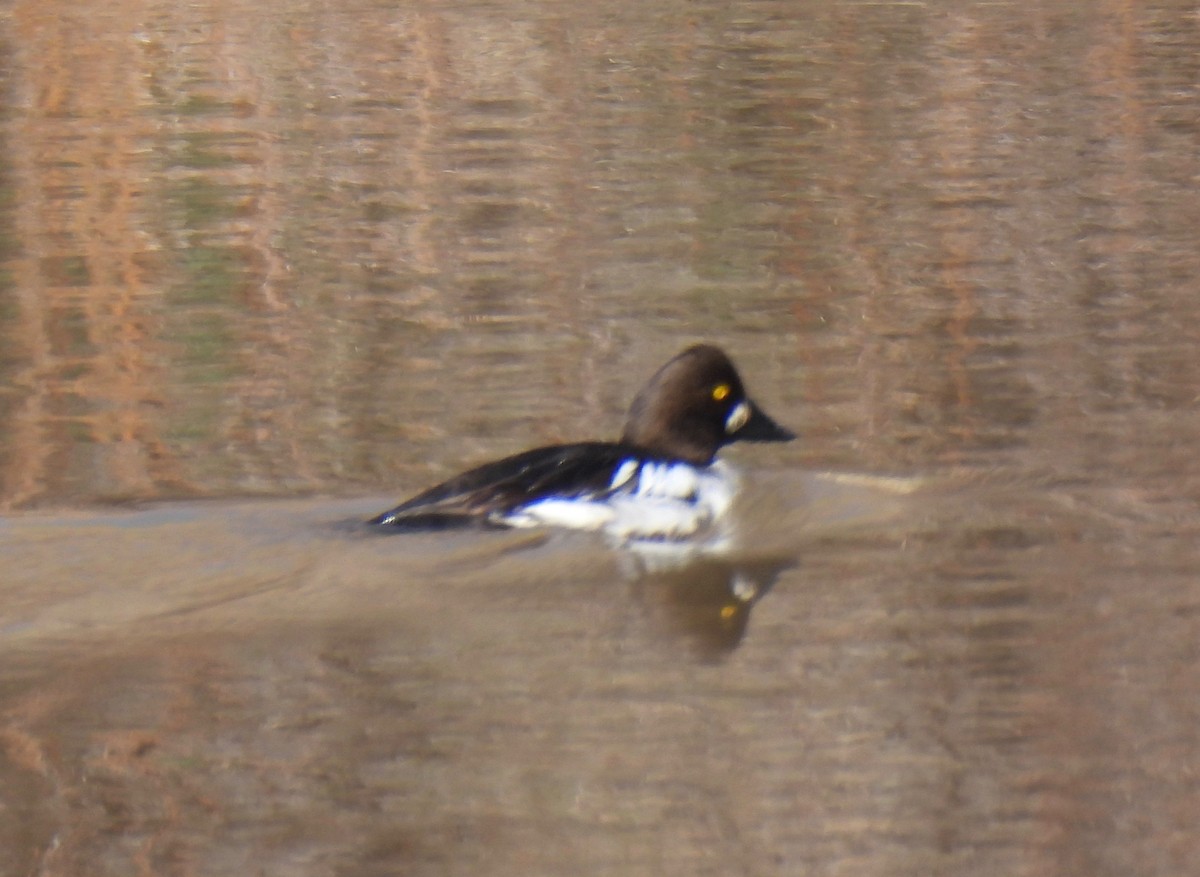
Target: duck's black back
481, 496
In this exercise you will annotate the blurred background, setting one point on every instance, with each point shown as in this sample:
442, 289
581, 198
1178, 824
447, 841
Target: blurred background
293, 247
314, 256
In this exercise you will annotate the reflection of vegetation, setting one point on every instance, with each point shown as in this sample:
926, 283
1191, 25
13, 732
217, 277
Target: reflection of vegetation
209, 267
205, 345
73, 372
80, 432
8, 249
69, 270
8, 241
202, 150
73, 330
193, 424
331, 215
379, 211
202, 202
203, 354
202, 105
8, 306
212, 274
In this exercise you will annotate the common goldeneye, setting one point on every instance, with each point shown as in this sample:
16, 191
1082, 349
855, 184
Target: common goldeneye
658, 483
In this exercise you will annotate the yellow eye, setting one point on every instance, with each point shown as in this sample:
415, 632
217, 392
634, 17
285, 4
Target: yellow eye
720, 391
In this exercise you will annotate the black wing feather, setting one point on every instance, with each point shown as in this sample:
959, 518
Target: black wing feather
474, 497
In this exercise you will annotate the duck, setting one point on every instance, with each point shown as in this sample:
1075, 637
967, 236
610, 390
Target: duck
660, 481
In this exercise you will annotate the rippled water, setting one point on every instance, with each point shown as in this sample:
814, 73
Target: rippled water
267, 268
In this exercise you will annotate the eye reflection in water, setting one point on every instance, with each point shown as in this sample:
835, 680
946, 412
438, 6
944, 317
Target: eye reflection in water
705, 606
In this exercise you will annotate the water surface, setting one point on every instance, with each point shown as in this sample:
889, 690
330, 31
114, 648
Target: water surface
267, 268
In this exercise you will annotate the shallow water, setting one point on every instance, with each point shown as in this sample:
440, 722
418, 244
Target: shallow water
268, 268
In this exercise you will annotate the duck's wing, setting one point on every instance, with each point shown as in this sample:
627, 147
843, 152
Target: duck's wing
482, 496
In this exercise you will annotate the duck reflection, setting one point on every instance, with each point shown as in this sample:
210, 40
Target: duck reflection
705, 606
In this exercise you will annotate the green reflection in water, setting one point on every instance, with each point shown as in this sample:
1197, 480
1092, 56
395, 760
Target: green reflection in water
202, 151
205, 342
204, 105
8, 304
200, 202
212, 275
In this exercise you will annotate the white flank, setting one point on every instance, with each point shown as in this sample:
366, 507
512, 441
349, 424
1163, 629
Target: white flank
668, 502
575, 514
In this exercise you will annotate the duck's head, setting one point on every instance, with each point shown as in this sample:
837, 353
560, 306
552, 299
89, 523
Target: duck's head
694, 405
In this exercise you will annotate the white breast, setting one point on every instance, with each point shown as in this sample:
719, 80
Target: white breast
671, 501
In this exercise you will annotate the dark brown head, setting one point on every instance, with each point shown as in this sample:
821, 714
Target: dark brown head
693, 406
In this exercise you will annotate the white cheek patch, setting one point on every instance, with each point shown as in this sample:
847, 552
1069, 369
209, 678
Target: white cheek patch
737, 418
